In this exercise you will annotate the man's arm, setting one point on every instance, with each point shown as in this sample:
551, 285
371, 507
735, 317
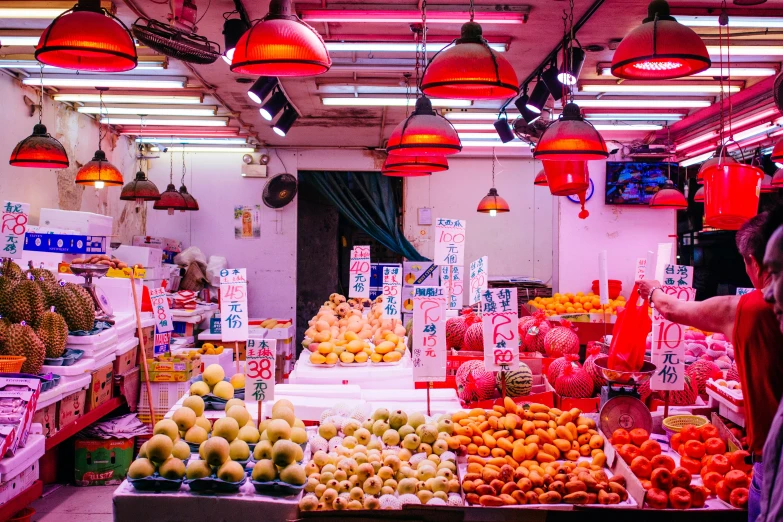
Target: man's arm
716, 314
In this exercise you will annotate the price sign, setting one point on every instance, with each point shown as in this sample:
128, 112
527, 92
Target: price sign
233, 304
429, 334
641, 268
452, 277
260, 357
160, 310
392, 290
359, 271
479, 271
161, 343
500, 320
15, 218
449, 241
677, 275
743, 291
668, 350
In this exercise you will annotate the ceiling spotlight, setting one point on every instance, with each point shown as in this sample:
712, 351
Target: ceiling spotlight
273, 105
503, 130
261, 89
526, 113
569, 75
286, 121
233, 29
538, 98
550, 78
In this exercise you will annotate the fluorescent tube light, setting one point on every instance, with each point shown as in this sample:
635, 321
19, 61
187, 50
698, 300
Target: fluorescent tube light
734, 21
696, 159
600, 127
128, 98
153, 110
114, 81
643, 104
736, 72
747, 50
659, 88
189, 148
32, 65
639, 116
396, 47
408, 16
152, 122
391, 102
193, 141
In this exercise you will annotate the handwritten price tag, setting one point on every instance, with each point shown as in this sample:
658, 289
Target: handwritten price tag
392, 290
449, 241
641, 268
452, 278
15, 218
668, 350
233, 304
260, 357
429, 334
500, 320
479, 272
359, 270
161, 311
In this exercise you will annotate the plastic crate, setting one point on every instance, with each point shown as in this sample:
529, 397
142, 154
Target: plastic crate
164, 396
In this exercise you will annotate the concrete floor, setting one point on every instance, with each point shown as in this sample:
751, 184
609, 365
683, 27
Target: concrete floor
86, 504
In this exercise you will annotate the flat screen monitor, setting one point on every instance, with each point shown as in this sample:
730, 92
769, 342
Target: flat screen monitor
635, 183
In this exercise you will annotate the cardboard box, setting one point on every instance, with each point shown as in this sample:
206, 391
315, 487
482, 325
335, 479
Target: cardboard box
126, 361
174, 369
85, 223
148, 340
102, 462
70, 408
13, 434
164, 243
148, 257
101, 387
47, 418
19, 483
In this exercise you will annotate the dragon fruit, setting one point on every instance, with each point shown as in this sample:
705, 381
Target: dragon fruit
533, 339
700, 371
474, 382
594, 371
732, 374
561, 340
455, 332
686, 396
556, 367
574, 381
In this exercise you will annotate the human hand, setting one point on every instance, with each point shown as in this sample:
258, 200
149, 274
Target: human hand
645, 286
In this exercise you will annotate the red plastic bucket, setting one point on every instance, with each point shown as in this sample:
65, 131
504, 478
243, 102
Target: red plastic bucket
566, 178
615, 287
731, 195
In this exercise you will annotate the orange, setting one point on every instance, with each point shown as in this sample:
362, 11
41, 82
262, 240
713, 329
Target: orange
588, 307
560, 309
570, 310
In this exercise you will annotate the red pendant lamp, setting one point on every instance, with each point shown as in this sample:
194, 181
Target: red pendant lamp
699, 196
140, 190
668, 198
190, 202
492, 203
571, 138
777, 179
424, 133
777, 153
87, 38
470, 70
766, 185
541, 180
660, 49
409, 166
281, 44
98, 172
566, 178
39, 150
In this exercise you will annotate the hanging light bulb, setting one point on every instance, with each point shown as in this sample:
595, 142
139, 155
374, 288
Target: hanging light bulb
424, 133
171, 200
571, 138
99, 172
140, 189
281, 44
492, 203
660, 49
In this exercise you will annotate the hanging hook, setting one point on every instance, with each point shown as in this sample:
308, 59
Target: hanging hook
472, 11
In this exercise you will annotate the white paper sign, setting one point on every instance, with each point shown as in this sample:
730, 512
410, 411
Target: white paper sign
452, 277
449, 241
641, 268
677, 275
603, 278
663, 258
233, 304
429, 334
160, 310
15, 218
668, 350
479, 274
359, 271
500, 321
392, 291
260, 357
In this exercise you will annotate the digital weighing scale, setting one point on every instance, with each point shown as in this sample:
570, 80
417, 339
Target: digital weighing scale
621, 406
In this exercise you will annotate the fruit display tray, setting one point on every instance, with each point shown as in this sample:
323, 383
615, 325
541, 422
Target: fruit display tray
103, 336
155, 483
214, 484
277, 488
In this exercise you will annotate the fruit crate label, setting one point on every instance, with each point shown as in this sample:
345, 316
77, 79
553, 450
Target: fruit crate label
449, 241
161, 342
360, 272
16, 215
260, 369
160, 310
233, 304
677, 275
499, 324
479, 272
429, 334
64, 244
453, 275
668, 350
392, 291
214, 324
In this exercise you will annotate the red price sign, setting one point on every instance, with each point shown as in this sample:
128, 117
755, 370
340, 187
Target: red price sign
500, 319
161, 311
260, 356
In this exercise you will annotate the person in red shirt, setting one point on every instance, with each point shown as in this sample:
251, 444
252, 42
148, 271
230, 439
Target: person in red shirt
749, 322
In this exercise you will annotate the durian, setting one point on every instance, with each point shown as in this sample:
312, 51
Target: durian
41, 274
6, 294
4, 324
53, 332
27, 303
11, 270
21, 340
76, 306
49, 289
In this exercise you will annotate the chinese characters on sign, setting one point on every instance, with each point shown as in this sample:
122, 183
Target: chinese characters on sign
233, 304
429, 334
677, 275
452, 278
668, 350
160, 310
360, 272
500, 320
479, 272
247, 222
15, 218
392, 290
449, 241
260, 369
641, 268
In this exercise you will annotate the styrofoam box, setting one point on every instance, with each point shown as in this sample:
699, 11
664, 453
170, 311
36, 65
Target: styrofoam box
117, 289
19, 483
68, 384
85, 223
99, 340
82, 366
24, 458
140, 255
225, 360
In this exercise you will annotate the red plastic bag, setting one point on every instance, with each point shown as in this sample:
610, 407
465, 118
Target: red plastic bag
629, 335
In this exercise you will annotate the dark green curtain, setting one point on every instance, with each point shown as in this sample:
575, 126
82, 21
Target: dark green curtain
374, 212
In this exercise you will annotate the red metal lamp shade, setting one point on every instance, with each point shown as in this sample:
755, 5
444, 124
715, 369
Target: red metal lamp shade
281, 44
766, 185
777, 179
660, 49
717, 160
731, 195
98, 172
39, 150
571, 138
668, 198
699, 196
87, 38
492, 203
777, 153
414, 164
140, 190
566, 178
424, 133
171, 200
470, 70
190, 201
541, 180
